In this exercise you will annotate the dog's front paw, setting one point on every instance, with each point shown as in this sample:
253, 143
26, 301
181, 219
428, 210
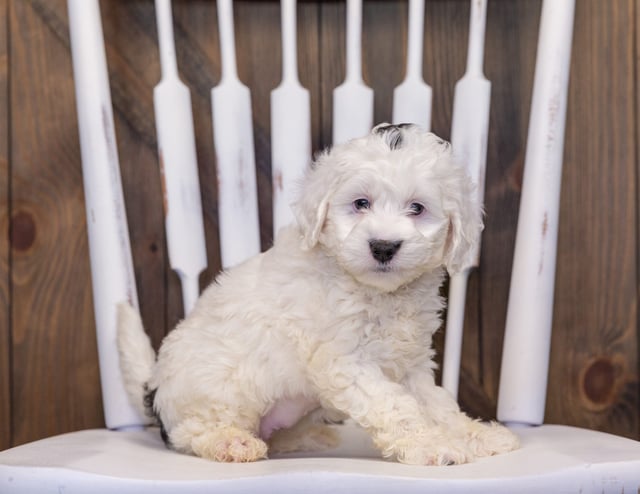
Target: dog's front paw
430, 449
490, 439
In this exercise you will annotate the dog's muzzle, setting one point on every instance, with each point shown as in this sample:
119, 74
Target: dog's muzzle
384, 250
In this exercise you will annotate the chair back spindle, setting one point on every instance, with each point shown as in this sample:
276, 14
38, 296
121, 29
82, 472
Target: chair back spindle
412, 98
178, 165
469, 135
525, 356
352, 100
233, 139
112, 275
290, 124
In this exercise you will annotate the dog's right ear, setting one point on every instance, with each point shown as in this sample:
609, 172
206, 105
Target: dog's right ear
312, 205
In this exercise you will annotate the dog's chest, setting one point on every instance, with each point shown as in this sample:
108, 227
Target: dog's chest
395, 333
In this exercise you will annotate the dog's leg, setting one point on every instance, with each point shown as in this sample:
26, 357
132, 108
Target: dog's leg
386, 410
311, 433
217, 441
483, 439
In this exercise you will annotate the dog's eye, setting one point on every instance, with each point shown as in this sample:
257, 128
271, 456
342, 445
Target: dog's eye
361, 203
416, 209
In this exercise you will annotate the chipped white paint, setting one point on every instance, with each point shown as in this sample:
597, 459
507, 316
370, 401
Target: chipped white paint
412, 98
525, 362
469, 134
179, 166
112, 275
352, 100
290, 124
233, 139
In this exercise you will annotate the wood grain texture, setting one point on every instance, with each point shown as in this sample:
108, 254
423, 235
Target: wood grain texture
55, 371
309, 69
332, 67
384, 32
636, 128
48, 360
5, 327
594, 357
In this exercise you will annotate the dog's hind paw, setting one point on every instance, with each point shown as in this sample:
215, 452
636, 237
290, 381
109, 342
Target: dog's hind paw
229, 444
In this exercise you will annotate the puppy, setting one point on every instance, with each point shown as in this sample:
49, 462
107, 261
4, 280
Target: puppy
334, 321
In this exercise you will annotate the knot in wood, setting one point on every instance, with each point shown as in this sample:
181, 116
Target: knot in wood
599, 383
22, 231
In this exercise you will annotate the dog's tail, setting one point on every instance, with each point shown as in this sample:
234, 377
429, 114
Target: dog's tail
137, 357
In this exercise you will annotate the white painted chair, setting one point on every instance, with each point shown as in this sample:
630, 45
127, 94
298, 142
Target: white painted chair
127, 457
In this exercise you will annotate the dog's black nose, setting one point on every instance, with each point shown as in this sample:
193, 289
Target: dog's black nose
384, 250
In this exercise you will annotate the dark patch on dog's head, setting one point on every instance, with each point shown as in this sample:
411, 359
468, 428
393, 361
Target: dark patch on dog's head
150, 410
392, 134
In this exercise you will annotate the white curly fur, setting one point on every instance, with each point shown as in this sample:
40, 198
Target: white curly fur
316, 327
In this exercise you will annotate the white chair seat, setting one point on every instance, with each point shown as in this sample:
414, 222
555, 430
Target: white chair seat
552, 459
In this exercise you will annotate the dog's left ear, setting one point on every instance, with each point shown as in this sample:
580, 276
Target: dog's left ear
465, 222
312, 205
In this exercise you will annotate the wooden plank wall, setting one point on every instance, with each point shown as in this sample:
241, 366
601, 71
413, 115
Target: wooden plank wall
48, 369
5, 337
